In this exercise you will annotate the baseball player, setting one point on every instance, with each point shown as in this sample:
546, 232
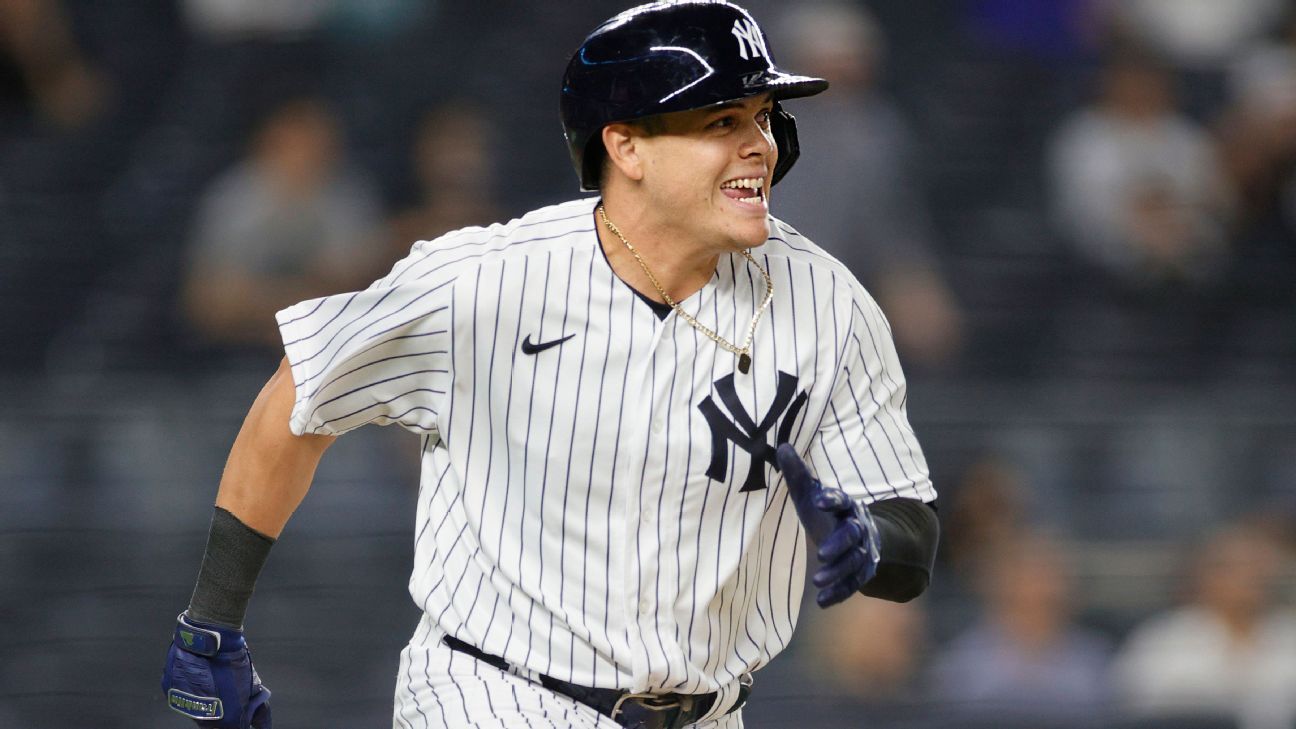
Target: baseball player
634, 408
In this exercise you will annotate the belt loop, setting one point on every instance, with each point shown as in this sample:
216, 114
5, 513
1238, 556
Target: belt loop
745, 683
738, 692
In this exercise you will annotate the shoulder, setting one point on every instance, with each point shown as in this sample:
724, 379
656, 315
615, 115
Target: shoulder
805, 257
350, 186
239, 186
555, 225
1082, 130
545, 230
1167, 637
786, 242
1173, 627
1279, 627
964, 651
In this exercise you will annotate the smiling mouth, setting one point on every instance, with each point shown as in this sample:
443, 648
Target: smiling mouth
749, 190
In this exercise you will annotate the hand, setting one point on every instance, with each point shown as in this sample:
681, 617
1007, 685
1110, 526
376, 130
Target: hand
842, 528
209, 678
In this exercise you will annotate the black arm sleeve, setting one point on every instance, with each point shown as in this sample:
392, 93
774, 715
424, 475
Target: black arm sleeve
233, 560
909, 533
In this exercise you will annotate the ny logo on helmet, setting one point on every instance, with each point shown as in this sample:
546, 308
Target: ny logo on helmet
751, 44
745, 433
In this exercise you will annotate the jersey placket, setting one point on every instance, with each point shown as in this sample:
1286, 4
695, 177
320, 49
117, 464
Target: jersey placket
642, 461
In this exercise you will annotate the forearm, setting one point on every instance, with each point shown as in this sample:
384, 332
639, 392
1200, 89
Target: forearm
909, 532
269, 469
268, 472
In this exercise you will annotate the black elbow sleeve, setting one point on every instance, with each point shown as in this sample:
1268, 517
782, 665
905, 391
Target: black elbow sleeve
909, 532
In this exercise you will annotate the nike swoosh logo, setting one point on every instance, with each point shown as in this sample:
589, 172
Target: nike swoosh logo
529, 348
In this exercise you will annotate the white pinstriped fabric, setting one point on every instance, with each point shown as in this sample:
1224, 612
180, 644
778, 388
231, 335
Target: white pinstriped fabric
591, 511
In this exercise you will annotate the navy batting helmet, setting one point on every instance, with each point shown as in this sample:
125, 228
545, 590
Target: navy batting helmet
672, 56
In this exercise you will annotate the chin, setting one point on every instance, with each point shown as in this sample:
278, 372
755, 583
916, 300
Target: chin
752, 234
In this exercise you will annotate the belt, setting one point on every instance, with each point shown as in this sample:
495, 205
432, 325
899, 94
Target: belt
630, 710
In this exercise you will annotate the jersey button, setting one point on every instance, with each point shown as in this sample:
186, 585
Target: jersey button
644, 607
658, 426
646, 517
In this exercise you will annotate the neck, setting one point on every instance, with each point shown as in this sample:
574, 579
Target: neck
1240, 621
682, 267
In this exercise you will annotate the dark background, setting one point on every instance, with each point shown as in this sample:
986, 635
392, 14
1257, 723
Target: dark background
115, 417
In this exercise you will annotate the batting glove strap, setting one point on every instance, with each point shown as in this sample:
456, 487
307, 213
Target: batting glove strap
205, 639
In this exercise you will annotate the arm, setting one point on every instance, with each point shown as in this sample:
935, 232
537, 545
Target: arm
269, 469
268, 473
885, 550
875, 531
908, 531
208, 675
38, 36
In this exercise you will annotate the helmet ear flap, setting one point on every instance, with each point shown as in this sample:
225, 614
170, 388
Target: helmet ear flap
591, 165
783, 129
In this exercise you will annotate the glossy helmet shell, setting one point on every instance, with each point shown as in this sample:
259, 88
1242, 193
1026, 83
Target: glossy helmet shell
672, 56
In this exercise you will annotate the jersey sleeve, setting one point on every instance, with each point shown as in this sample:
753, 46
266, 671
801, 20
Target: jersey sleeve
865, 444
381, 355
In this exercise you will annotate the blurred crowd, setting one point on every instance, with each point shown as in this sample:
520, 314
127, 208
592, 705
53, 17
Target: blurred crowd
1078, 215
228, 157
1009, 640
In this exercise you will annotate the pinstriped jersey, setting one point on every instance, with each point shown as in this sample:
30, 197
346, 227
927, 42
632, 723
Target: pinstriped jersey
599, 500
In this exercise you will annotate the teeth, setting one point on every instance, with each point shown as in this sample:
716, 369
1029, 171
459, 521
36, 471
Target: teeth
752, 200
751, 183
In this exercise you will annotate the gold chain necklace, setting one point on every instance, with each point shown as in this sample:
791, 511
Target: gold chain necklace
743, 352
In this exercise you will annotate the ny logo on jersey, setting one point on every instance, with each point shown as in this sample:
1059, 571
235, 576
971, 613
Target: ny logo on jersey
750, 42
744, 432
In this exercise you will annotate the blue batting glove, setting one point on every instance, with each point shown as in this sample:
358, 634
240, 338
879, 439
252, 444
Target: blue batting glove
209, 678
842, 529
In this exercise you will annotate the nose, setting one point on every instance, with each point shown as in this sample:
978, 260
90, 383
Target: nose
757, 141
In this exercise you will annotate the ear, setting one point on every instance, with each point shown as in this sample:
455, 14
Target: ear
621, 141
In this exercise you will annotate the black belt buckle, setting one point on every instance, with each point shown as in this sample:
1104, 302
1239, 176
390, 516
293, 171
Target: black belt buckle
649, 711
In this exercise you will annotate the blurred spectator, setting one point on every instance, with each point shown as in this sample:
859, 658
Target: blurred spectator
1025, 662
288, 223
1259, 128
872, 650
1136, 185
454, 167
986, 509
865, 658
241, 19
235, 19
1230, 651
42, 69
1196, 33
855, 191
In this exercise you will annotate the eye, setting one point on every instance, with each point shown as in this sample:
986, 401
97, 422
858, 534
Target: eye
723, 122
763, 118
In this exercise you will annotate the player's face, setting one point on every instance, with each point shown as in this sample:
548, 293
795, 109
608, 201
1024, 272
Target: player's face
710, 170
